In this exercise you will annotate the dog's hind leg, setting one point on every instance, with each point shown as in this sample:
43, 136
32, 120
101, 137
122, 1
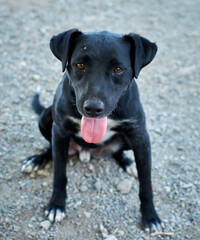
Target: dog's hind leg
126, 163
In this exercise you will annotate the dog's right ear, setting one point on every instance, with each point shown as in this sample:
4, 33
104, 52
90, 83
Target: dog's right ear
61, 43
143, 52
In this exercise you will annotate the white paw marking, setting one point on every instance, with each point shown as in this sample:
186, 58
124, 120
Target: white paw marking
27, 166
147, 230
84, 156
51, 215
46, 213
38, 89
131, 170
35, 169
28, 169
162, 225
23, 168
59, 215
155, 228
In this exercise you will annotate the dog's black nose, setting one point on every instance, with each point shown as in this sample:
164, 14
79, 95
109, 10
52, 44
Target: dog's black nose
93, 108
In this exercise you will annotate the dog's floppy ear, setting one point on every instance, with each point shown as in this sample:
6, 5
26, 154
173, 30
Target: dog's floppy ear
61, 43
143, 51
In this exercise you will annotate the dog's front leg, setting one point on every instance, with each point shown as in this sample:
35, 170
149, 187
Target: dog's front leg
56, 208
142, 152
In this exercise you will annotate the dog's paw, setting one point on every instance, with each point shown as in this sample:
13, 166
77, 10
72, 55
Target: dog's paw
152, 223
85, 156
55, 214
154, 227
131, 170
31, 164
36, 162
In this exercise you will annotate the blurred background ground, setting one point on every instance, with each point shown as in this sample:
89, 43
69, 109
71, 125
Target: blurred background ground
170, 92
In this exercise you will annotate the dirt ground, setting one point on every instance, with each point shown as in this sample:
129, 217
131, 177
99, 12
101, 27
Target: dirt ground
170, 92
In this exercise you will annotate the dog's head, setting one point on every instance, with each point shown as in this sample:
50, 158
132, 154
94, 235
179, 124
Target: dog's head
101, 65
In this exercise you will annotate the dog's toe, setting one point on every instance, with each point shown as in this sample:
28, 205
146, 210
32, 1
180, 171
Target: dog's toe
153, 225
131, 170
55, 215
84, 156
60, 215
35, 162
36, 168
28, 165
154, 228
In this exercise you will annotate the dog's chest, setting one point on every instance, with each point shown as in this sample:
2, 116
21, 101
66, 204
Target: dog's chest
110, 144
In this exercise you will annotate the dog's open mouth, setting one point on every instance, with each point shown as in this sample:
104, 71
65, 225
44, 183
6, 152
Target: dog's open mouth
93, 130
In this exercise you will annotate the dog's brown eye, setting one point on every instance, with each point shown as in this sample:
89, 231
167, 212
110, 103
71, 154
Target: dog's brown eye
118, 70
80, 66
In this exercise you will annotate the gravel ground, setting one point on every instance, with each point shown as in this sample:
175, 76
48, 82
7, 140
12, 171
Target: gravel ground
170, 92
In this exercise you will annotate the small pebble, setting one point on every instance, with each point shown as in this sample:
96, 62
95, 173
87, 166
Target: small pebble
35, 77
30, 225
16, 228
45, 184
120, 233
91, 167
124, 186
7, 220
43, 173
98, 185
87, 214
45, 224
83, 188
103, 230
111, 237
167, 189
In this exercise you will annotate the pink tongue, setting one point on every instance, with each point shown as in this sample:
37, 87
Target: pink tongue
93, 130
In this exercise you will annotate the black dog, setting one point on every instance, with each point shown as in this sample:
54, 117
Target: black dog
98, 98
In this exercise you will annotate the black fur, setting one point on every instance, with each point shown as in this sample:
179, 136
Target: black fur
36, 105
101, 53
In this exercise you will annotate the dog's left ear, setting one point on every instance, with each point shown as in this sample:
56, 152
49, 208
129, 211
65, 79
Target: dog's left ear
61, 45
142, 52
